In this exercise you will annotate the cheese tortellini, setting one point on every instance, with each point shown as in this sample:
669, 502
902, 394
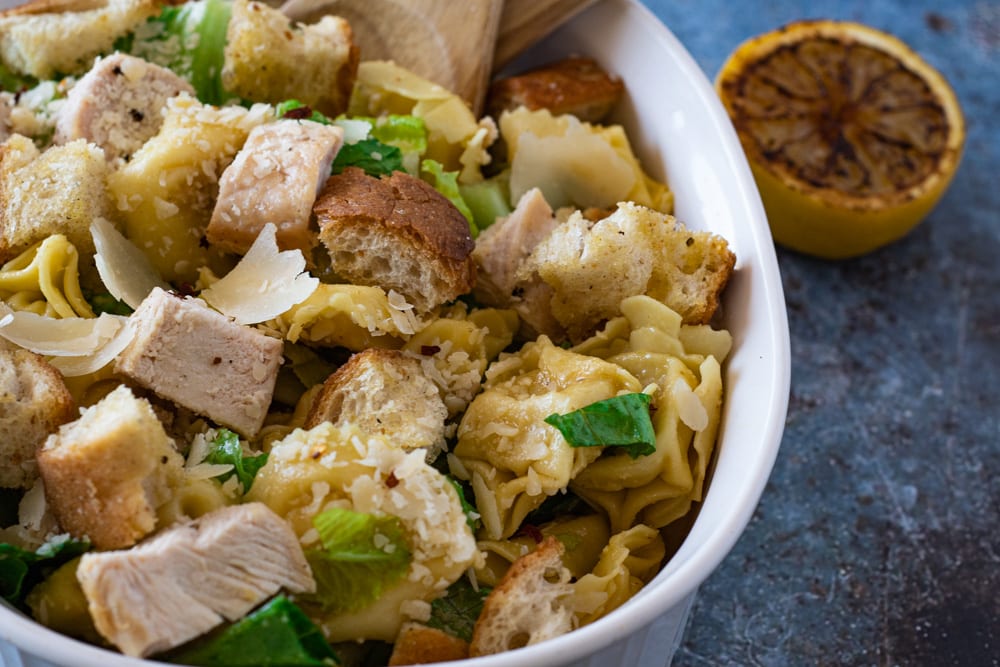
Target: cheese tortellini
512, 457
311, 471
659, 488
45, 280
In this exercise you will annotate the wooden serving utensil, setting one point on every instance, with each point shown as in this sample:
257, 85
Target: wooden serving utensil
455, 43
526, 22
450, 42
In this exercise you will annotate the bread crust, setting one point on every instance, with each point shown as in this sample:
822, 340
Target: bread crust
526, 607
396, 232
107, 472
384, 392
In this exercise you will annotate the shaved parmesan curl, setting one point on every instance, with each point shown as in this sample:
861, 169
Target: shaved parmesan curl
265, 283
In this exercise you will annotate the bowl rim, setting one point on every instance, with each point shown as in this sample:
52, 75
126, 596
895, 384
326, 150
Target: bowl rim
668, 589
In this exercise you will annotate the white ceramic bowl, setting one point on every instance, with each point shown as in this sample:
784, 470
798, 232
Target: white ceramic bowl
682, 135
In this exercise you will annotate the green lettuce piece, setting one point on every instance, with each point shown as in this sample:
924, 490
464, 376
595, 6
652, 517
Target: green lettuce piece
13, 82
377, 159
446, 182
488, 199
189, 39
21, 569
362, 555
456, 613
622, 421
279, 634
407, 133
226, 448
105, 303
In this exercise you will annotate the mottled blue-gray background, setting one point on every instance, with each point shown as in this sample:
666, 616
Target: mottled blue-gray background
876, 541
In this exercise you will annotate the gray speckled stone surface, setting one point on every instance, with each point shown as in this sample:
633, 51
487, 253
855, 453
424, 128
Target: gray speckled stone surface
877, 540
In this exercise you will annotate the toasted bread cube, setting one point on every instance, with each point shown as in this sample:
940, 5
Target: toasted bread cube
574, 85
269, 60
59, 191
592, 266
43, 38
531, 603
275, 178
107, 472
384, 392
34, 402
398, 233
202, 360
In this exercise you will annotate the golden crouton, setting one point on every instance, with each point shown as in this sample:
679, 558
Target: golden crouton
575, 85
269, 60
397, 233
34, 402
107, 472
591, 266
528, 605
384, 392
45, 38
59, 191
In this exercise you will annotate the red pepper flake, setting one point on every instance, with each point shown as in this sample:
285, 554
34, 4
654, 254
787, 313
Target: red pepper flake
298, 113
429, 350
392, 481
532, 531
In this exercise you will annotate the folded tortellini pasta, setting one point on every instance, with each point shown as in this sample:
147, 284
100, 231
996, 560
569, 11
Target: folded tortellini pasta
309, 472
512, 457
45, 280
650, 342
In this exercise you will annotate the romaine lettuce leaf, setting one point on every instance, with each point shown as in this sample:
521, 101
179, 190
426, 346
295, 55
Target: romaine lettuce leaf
299, 111
407, 133
189, 39
226, 448
488, 199
371, 155
446, 182
361, 556
21, 569
456, 613
621, 421
13, 82
279, 634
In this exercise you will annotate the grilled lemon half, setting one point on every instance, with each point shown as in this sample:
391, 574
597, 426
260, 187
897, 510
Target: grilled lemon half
851, 136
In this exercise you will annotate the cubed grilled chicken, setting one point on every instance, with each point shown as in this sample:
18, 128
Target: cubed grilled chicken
274, 178
202, 360
503, 247
192, 577
118, 104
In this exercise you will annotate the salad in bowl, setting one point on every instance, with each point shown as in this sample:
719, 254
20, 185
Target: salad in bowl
304, 362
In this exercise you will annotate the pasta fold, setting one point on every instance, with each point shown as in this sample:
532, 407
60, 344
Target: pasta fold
514, 459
